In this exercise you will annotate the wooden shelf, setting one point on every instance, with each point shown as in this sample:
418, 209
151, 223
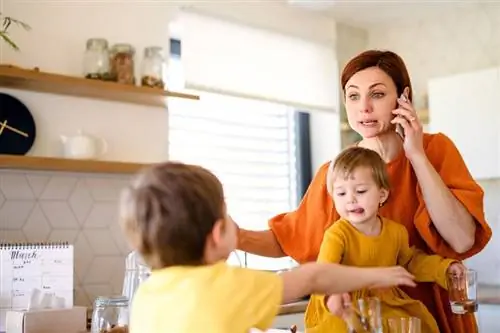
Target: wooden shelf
68, 165
34, 80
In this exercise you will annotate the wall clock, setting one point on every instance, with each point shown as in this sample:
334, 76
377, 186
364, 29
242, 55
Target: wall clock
17, 126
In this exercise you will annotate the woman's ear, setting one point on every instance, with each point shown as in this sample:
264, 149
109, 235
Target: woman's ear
406, 92
384, 194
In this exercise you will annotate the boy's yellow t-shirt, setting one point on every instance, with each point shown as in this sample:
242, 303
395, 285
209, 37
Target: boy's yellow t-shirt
206, 299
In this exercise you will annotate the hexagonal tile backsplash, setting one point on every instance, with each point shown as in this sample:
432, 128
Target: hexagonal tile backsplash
78, 208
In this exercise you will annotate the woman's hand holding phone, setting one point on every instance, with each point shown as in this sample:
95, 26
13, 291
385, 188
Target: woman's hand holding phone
407, 119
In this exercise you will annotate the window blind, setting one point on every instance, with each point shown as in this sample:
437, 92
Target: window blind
248, 144
235, 59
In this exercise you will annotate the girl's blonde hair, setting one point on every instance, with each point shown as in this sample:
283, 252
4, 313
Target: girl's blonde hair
355, 157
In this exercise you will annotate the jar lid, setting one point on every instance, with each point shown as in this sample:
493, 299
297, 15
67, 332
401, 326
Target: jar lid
97, 43
123, 47
153, 50
102, 301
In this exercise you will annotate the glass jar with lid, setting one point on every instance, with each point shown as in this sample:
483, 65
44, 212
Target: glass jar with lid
153, 68
96, 59
110, 315
122, 63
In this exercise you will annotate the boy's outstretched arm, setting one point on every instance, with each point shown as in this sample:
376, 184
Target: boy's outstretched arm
327, 279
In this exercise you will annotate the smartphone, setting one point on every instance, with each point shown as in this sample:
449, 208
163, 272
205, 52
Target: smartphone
399, 128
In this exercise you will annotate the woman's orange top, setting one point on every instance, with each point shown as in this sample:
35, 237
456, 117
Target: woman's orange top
300, 232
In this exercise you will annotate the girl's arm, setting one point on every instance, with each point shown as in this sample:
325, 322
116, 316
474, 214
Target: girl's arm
425, 267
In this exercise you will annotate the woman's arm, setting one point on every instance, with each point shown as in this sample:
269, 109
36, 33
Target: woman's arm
298, 233
453, 202
262, 243
451, 219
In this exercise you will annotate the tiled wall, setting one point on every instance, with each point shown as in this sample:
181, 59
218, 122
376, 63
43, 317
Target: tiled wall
77, 208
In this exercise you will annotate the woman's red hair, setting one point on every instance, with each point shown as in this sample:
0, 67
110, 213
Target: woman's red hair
388, 61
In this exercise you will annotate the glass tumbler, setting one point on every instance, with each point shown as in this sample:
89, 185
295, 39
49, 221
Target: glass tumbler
404, 325
364, 315
462, 289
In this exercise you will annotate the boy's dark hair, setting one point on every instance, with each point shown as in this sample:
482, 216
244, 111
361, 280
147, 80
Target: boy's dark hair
354, 157
168, 211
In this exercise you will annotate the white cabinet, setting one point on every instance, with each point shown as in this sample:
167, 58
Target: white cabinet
488, 318
466, 107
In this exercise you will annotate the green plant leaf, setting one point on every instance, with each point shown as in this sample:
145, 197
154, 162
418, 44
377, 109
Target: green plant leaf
19, 23
6, 23
9, 41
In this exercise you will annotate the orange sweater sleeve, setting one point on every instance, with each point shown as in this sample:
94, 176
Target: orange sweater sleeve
450, 165
300, 232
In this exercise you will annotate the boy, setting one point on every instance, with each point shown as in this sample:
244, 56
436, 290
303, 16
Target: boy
175, 216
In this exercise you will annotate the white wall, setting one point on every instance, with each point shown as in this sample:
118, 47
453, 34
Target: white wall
325, 138
56, 43
461, 41
325, 127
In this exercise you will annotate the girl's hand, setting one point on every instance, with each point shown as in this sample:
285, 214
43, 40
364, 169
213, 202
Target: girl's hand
336, 303
458, 282
457, 268
406, 116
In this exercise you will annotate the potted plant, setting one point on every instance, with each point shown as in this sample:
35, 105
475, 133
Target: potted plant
6, 23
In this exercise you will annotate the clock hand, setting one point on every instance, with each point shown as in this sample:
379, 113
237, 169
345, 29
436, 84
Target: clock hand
3, 126
13, 129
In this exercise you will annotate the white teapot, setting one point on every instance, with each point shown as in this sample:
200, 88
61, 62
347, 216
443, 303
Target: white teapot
83, 146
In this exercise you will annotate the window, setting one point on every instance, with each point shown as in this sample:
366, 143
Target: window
252, 146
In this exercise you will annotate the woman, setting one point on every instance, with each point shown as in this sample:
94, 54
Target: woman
432, 194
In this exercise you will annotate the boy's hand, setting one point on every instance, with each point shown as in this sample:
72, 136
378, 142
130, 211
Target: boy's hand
391, 277
335, 303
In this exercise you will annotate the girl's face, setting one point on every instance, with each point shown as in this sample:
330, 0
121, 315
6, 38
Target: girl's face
370, 98
357, 197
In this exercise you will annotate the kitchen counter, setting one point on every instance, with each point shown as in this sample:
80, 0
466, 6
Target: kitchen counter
293, 308
486, 294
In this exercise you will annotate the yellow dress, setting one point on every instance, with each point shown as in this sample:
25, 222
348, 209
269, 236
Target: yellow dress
344, 244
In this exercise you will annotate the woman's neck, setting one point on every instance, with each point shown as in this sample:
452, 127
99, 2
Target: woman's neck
388, 145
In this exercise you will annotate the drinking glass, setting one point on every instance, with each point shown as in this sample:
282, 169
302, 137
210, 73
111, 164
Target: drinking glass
363, 315
462, 289
404, 325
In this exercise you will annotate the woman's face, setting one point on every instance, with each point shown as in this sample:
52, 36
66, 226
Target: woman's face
370, 98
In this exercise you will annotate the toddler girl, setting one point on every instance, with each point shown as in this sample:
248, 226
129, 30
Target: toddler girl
359, 185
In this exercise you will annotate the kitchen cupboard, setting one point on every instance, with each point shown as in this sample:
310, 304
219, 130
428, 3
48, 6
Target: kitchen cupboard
466, 108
